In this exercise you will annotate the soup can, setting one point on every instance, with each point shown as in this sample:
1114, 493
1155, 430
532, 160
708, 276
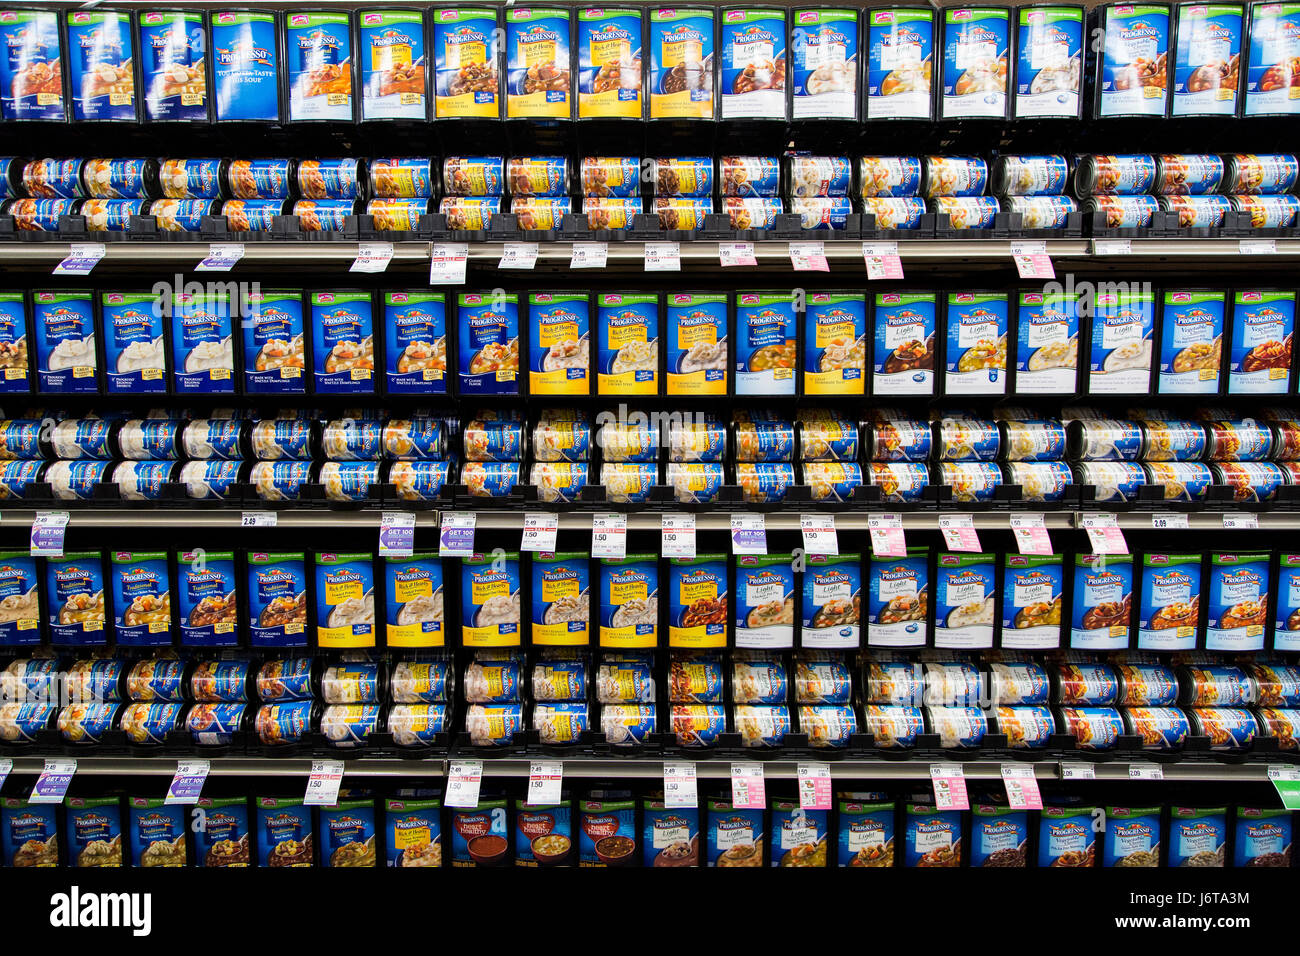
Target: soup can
331, 178
1111, 480
761, 726
967, 212
1104, 440
1197, 212
1030, 175
1041, 212
954, 176
406, 178
1123, 212
749, 176
618, 176
473, 176
1269, 212
1237, 441
1108, 175
889, 176
1188, 174
1266, 174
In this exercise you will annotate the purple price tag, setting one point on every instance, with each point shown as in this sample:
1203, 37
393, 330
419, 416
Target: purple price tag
187, 784
52, 784
457, 540
397, 541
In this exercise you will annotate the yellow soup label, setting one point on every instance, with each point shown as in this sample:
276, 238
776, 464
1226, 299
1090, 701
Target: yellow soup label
628, 637
406, 591
552, 591
692, 591
480, 591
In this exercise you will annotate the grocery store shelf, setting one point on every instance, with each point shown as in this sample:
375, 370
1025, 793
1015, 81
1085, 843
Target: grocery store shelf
1189, 771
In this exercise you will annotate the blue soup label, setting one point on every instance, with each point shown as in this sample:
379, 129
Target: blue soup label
31, 72
976, 49
74, 589
1259, 356
142, 610
274, 345
900, 63
696, 360
156, 832
1286, 625
753, 52
1049, 62
203, 355
488, 356
347, 834
490, 601
1206, 59
206, 601
343, 342
173, 65
467, 57
133, 343
976, 344
629, 602
285, 833
1047, 344
18, 595
14, 362
998, 836
830, 610
246, 68
627, 337
1033, 588
101, 65
1133, 77
764, 601
898, 598
318, 47
28, 834
965, 600
66, 348
559, 344
932, 838
1103, 595
414, 604
414, 832
903, 358
1191, 343
1122, 331
1273, 46
415, 353
733, 837
824, 63
1262, 837
539, 81
1133, 837
277, 599
561, 599
392, 57
1238, 602
1169, 609
223, 840
765, 343
94, 831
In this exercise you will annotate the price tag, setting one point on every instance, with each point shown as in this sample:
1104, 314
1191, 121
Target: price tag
1145, 771
6, 765
1078, 771
540, 530
678, 536
1032, 260
1104, 534
81, 258
1031, 534
819, 534
447, 263
518, 255
736, 254
747, 786
887, 539
456, 534
680, 789
663, 257
545, 781
258, 519
1285, 779
1112, 247
814, 786
1170, 522
372, 257
589, 255
1022, 787
884, 267
52, 784
187, 784
48, 531
1258, 247
221, 257
396, 534
809, 257
323, 784
1246, 521
748, 534
464, 777
609, 536
949, 782
959, 533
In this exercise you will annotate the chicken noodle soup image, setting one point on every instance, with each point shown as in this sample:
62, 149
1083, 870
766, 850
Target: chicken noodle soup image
141, 589
19, 602
93, 829
835, 345
900, 63
697, 355
74, 588
765, 347
733, 837
965, 600
29, 834
830, 609
488, 356
1033, 588
976, 344
627, 344
561, 599
898, 599
343, 342
490, 615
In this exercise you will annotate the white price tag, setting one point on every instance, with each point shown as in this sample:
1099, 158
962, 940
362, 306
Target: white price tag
545, 782
887, 538
1112, 247
1036, 265
809, 257
52, 784
882, 260
447, 263
396, 534
464, 777
748, 534
1258, 247
814, 786
1031, 534
1246, 521
323, 784
609, 536
372, 257
589, 255
187, 783
680, 789
1274, 773
456, 534
1031, 248
48, 531
258, 519
819, 535
959, 533
518, 255
748, 786
540, 529
677, 536
1078, 771
1145, 771
6, 766
1022, 787
663, 257
221, 257
1170, 522
736, 254
82, 257
949, 782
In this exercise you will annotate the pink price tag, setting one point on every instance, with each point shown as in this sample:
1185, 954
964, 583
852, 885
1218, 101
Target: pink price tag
1022, 788
889, 542
949, 789
809, 257
747, 786
1035, 267
884, 267
814, 786
1107, 540
959, 534
1031, 534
